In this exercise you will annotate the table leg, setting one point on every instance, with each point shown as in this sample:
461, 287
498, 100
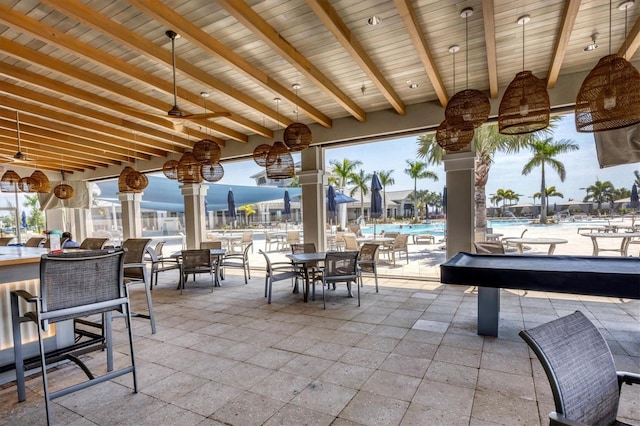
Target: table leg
594, 241
552, 248
488, 311
519, 245
306, 284
624, 246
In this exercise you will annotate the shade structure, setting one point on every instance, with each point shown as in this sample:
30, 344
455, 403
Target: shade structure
207, 151
451, 139
280, 163
260, 154
609, 97
286, 211
525, 106
332, 207
9, 181
212, 172
467, 109
634, 199
231, 205
297, 136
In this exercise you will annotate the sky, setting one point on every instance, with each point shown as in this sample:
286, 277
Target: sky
581, 166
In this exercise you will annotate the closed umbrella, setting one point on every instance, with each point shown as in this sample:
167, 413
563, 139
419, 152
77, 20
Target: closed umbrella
24, 219
231, 206
376, 200
332, 207
634, 199
287, 208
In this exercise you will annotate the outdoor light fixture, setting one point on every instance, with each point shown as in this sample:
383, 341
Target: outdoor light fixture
170, 169
468, 108
609, 97
374, 20
525, 106
297, 136
207, 151
189, 169
260, 154
412, 85
9, 181
279, 162
212, 172
44, 185
593, 45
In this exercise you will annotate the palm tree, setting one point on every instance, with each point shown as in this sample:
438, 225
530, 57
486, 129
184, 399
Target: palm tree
549, 192
359, 180
544, 153
385, 179
418, 170
341, 172
36, 217
599, 192
487, 141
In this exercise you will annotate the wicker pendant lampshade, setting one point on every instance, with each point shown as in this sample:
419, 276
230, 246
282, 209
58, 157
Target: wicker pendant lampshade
260, 154
452, 140
468, 108
63, 191
207, 151
9, 181
27, 184
44, 185
212, 172
122, 180
280, 162
609, 97
170, 169
297, 136
189, 169
137, 181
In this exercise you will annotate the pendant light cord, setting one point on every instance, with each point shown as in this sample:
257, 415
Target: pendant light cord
610, 26
18, 128
523, 24
466, 36
173, 66
454, 71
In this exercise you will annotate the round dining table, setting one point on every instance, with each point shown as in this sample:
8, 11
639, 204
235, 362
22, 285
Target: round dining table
552, 242
625, 240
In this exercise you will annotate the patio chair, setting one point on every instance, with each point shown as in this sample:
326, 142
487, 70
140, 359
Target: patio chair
340, 244
581, 371
93, 243
269, 242
350, 242
47, 243
245, 240
340, 266
399, 246
505, 240
196, 262
135, 271
315, 273
4, 241
488, 247
293, 237
34, 242
159, 263
276, 271
367, 261
355, 228
73, 285
237, 260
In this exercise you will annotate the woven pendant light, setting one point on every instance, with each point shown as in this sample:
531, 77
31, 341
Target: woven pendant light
609, 97
212, 172
297, 136
28, 184
44, 185
189, 169
207, 151
122, 180
280, 162
453, 139
137, 181
468, 108
9, 181
525, 106
63, 191
170, 169
260, 154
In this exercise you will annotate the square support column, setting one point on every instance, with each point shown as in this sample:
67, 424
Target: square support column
460, 170
194, 213
131, 214
313, 181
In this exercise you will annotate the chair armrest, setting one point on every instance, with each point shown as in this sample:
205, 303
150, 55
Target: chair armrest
559, 419
135, 265
25, 295
628, 378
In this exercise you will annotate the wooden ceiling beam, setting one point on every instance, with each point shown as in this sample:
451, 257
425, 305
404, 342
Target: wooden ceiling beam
488, 17
330, 18
567, 22
165, 15
137, 43
252, 20
632, 43
408, 15
62, 40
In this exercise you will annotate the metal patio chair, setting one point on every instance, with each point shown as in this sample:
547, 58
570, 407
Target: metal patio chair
340, 266
237, 260
93, 243
196, 262
367, 261
135, 271
276, 271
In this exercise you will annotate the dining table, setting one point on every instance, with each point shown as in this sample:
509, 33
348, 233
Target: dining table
552, 242
624, 237
305, 260
217, 253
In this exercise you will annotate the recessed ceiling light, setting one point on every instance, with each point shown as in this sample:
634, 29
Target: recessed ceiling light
412, 85
625, 5
374, 20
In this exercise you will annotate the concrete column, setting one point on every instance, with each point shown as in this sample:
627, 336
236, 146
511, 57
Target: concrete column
313, 181
460, 169
131, 214
194, 213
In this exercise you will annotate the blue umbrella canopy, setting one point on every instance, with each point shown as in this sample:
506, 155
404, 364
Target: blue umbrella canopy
231, 205
331, 202
287, 205
634, 199
376, 197
24, 219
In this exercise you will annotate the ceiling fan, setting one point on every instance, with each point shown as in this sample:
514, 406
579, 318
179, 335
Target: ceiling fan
175, 113
18, 157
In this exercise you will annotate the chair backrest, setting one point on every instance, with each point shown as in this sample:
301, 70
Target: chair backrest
391, 234
368, 256
247, 237
159, 247
355, 228
34, 242
135, 251
79, 278
579, 366
350, 243
341, 264
400, 241
47, 243
303, 248
211, 245
293, 236
488, 247
523, 232
4, 241
195, 259
267, 236
93, 243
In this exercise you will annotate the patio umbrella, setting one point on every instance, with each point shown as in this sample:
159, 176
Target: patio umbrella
231, 206
332, 207
376, 199
24, 219
634, 199
287, 207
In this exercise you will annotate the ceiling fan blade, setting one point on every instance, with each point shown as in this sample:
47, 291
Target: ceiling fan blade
206, 115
